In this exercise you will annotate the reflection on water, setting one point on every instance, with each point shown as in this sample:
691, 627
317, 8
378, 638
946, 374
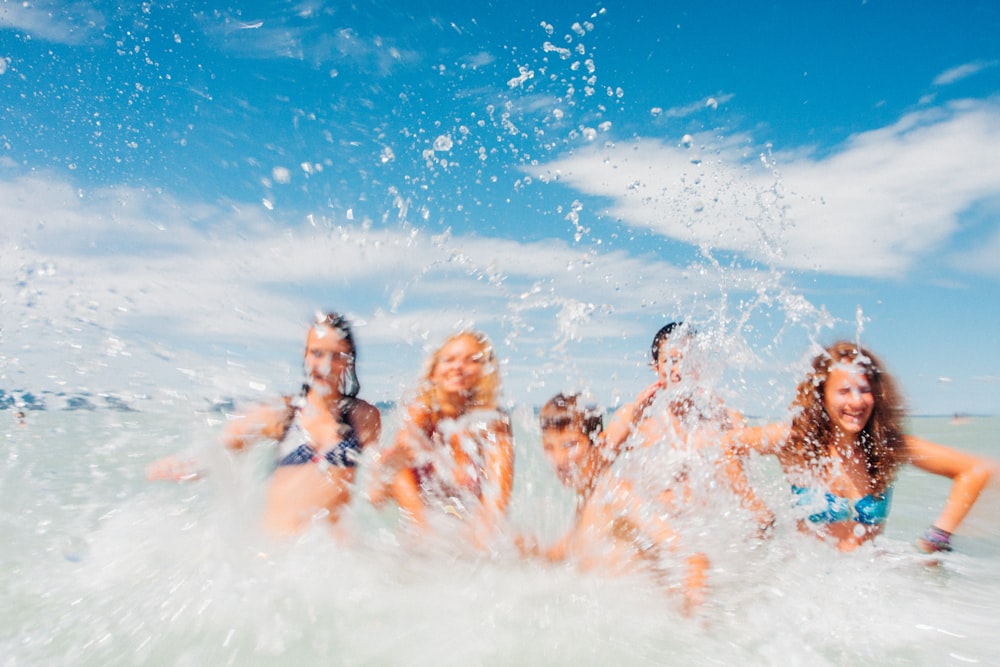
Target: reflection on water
103, 568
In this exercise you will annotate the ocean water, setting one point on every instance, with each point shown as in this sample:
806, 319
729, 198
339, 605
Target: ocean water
101, 567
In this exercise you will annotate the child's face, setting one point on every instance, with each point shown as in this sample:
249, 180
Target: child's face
567, 449
669, 362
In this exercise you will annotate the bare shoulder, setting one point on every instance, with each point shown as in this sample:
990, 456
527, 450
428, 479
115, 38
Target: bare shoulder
622, 417
498, 420
367, 419
365, 410
624, 412
502, 423
734, 419
490, 418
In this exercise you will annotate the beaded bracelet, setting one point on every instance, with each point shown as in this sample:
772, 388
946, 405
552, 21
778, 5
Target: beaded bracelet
937, 539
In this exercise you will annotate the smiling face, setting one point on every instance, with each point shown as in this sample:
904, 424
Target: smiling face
458, 367
328, 355
848, 399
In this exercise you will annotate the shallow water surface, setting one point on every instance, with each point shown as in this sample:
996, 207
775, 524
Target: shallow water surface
101, 567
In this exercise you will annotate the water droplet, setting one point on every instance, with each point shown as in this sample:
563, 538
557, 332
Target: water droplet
443, 143
281, 175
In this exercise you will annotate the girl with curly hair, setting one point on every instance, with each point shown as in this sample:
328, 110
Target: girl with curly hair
844, 445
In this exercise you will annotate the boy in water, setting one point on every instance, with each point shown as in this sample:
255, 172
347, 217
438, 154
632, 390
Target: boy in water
570, 435
613, 530
679, 411
676, 381
672, 466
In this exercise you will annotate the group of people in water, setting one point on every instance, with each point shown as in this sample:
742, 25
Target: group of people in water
641, 484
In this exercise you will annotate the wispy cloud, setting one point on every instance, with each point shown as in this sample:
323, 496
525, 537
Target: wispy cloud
877, 206
63, 22
128, 287
955, 74
699, 106
120, 287
479, 59
279, 35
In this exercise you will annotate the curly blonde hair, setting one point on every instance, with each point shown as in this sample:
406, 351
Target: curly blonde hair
486, 392
881, 439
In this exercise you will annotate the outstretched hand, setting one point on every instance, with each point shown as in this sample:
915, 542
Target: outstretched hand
646, 395
175, 469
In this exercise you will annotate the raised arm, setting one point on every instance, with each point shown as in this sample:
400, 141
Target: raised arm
623, 422
738, 482
969, 475
500, 466
263, 421
767, 440
393, 476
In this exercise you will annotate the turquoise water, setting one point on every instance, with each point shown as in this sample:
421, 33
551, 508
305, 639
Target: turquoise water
101, 567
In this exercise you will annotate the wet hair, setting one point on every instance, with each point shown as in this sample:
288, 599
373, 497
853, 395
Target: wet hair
562, 412
348, 383
486, 392
665, 332
881, 439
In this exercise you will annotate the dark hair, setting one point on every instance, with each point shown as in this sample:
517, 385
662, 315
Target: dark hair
665, 331
349, 385
563, 411
882, 437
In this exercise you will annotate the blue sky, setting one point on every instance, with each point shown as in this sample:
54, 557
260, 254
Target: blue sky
184, 184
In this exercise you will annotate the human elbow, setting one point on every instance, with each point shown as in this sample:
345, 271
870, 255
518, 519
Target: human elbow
987, 471
981, 473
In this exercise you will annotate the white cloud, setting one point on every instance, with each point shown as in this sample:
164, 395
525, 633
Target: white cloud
123, 287
271, 34
480, 59
875, 207
53, 21
712, 103
955, 74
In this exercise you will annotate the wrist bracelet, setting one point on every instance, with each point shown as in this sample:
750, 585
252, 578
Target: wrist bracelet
938, 539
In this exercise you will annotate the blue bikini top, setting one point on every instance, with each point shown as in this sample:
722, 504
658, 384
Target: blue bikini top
826, 507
